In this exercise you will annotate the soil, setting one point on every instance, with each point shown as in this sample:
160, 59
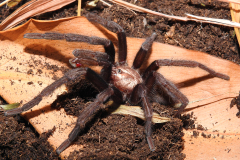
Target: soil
118, 136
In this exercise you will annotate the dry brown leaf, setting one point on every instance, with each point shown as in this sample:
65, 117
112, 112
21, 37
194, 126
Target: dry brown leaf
18, 55
32, 8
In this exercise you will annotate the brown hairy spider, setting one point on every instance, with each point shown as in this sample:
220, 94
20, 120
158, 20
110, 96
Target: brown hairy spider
117, 81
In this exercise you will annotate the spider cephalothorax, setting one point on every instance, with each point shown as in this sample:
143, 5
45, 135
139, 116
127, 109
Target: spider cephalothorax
117, 80
125, 78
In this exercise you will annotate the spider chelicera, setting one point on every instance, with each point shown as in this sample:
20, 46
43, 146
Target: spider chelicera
117, 81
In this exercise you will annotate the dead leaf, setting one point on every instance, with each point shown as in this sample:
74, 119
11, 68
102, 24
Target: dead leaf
137, 111
13, 3
32, 8
21, 80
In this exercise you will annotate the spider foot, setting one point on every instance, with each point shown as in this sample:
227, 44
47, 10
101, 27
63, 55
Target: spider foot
150, 143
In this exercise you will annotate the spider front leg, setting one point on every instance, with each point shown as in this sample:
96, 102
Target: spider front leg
89, 58
142, 53
116, 28
70, 37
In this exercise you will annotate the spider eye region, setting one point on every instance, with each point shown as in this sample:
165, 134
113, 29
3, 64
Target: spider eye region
119, 71
125, 78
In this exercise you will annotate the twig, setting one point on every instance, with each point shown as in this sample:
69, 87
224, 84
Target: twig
79, 7
223, 22
105, 3
144, 10
4, 2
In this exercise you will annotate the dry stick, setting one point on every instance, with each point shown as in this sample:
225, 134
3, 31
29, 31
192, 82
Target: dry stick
79, 7
223, 22
105, 3
189, 17
4, 2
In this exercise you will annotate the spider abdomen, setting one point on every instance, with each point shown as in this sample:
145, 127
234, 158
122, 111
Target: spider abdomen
125, 78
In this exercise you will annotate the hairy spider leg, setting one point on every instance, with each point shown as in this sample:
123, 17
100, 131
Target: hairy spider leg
155, 65
84, 117
70, 75
98, 59
116, 28
105, 92
139, 94
169, 88
70, 37
143, 51
89, 58
92, 58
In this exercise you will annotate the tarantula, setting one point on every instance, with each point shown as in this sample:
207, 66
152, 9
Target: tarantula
117, 80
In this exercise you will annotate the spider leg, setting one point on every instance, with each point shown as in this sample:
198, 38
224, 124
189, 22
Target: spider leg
184, 63
90, 58
106, 72
116, 28
70, 75
146, 46
84, 117
140, 94
105, 93
168, 88
70, 37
